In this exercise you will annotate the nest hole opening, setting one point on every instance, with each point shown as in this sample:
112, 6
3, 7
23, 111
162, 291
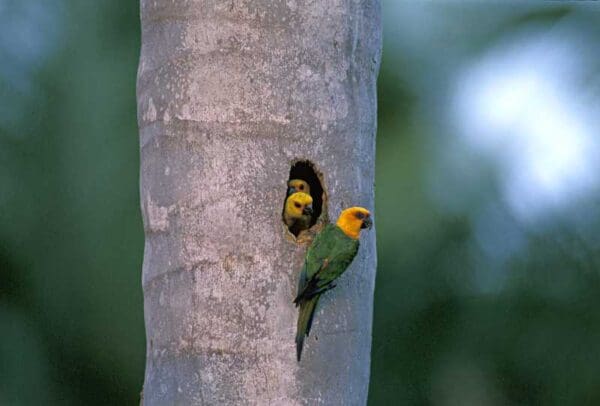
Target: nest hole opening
305, 170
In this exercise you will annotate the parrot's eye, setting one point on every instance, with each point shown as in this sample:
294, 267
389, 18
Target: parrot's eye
297, 205
301, 187
360, 215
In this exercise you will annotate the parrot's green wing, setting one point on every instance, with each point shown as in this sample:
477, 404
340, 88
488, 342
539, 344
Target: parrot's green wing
327, 258
315, 255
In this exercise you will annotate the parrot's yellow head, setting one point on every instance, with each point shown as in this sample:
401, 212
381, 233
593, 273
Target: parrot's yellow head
298, 204
298, 185
353, 219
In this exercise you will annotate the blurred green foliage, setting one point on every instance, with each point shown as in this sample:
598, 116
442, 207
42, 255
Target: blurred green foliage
439, 337
71, 238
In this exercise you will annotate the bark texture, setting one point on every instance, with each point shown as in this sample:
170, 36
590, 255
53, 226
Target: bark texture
229, 94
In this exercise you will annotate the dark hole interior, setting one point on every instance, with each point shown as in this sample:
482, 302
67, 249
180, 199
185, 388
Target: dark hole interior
304, 170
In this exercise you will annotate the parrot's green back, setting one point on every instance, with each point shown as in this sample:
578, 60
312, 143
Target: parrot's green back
330, 254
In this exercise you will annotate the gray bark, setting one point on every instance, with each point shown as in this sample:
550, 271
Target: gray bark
229, 94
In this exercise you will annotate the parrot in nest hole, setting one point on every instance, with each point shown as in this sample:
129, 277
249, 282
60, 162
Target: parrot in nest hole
329, 255
297, 212
298, 185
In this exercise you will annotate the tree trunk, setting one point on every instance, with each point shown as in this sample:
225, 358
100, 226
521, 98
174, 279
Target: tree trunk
230, 94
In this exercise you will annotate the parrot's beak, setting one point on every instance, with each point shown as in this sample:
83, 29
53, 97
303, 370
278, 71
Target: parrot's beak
308, 210
367, 223
291, 191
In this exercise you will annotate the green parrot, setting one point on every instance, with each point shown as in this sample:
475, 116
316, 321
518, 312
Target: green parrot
329, 255
297, 212
298, 185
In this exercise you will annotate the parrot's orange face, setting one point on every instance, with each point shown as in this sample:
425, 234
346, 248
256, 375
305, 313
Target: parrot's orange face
298, 185
298, 205
353, 219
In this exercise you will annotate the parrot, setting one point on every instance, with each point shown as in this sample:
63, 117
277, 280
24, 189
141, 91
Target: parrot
329, 255
297, 212
297, 185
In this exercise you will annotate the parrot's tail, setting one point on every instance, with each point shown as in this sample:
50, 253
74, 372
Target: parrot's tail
305, 318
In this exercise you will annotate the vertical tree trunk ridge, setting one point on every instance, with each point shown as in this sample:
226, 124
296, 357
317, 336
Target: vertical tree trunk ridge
229, 94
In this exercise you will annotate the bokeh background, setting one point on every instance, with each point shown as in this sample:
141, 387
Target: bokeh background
488, 201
